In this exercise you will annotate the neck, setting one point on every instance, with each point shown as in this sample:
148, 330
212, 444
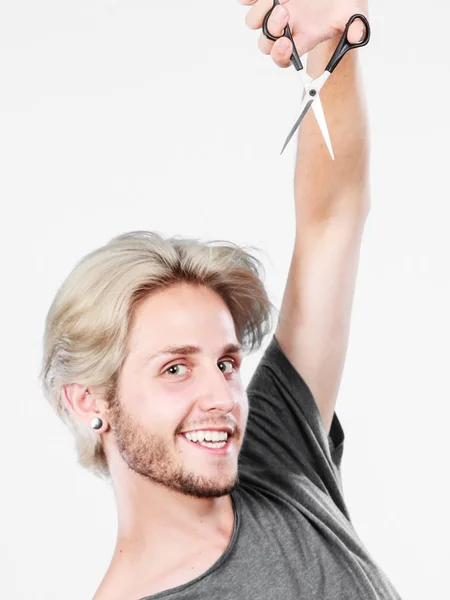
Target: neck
153, 519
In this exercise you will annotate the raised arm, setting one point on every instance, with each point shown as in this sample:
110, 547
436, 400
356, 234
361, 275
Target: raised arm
331, 206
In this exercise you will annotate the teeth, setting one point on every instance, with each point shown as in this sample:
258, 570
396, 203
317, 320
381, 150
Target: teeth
209, 436
213, 444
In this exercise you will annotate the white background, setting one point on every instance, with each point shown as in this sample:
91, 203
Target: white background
117, 116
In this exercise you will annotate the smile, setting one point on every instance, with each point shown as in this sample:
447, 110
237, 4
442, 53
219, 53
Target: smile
219, 447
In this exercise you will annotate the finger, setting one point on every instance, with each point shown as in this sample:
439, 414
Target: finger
278, 21
281, 52
356, 32
258, 11
264, 44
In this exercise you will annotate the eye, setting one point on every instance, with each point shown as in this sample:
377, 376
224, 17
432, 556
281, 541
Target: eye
174, 367
231, 362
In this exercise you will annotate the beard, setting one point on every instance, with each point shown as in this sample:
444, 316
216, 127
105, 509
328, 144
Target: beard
153, 457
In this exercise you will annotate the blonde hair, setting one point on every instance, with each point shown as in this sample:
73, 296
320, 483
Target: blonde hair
87, 324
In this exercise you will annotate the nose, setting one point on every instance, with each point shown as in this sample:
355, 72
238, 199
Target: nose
216, 394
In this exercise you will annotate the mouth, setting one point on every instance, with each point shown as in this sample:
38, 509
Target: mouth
214, 448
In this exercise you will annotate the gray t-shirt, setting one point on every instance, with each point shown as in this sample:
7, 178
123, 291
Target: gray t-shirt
293, 538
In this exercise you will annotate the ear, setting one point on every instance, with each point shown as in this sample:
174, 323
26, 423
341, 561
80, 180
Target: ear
85, 405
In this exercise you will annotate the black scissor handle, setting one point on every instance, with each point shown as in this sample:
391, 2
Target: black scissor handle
295, 58
344, 45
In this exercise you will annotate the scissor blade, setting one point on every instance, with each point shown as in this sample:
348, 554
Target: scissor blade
306, 106
320, 116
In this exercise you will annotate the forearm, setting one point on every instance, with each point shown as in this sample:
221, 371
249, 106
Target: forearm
326, 189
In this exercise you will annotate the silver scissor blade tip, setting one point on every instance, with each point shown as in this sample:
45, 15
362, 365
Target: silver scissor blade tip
305, 106
321, 121
285, 144
289, 137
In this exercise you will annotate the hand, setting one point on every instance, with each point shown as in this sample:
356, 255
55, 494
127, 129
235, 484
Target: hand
311, 22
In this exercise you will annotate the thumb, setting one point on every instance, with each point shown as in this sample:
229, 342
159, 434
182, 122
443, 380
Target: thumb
356, 32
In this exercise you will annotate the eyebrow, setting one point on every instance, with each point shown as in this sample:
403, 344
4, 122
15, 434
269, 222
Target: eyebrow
188, 350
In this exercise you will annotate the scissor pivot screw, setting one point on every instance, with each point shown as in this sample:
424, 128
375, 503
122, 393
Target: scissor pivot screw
312, 92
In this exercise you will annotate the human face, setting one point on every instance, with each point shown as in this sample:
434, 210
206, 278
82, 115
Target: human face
161, 396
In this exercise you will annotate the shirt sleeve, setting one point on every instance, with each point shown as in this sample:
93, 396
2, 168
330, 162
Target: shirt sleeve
285, 431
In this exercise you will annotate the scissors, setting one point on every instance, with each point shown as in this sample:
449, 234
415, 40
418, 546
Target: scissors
313, 86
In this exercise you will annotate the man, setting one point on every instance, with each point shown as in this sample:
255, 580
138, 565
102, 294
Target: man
222, 493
